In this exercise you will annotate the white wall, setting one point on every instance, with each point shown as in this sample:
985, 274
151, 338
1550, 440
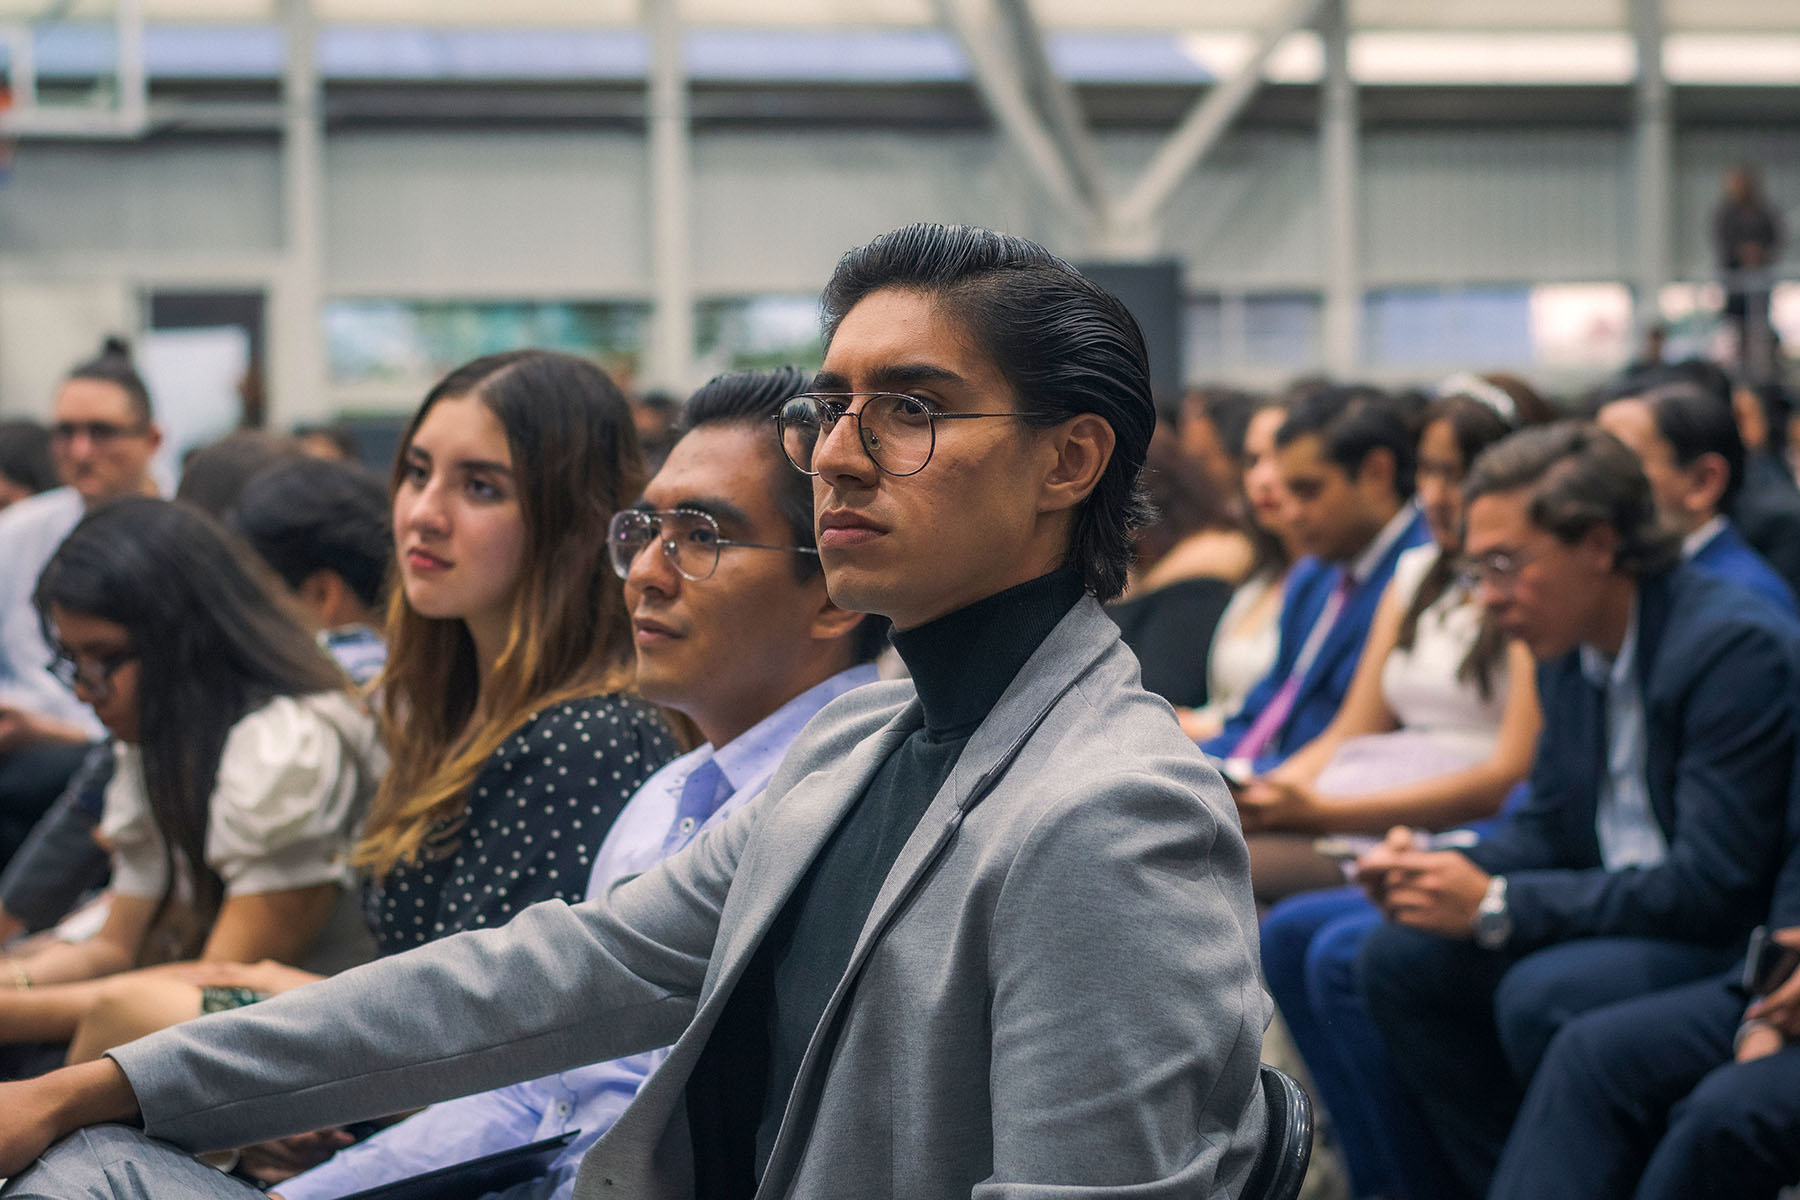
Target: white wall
562, 213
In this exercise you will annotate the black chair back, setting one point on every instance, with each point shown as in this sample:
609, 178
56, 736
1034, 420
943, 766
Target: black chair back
1281, 1168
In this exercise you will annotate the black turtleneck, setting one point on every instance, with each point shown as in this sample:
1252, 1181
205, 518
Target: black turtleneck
961, 664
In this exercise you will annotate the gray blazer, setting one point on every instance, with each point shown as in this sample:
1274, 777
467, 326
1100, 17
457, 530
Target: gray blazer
1057, 986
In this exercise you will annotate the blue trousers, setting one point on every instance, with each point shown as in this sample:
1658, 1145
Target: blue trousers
1642, 1099
1310, 946
1465, 1028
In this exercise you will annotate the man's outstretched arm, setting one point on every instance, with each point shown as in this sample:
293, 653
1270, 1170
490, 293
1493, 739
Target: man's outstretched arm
42, 1110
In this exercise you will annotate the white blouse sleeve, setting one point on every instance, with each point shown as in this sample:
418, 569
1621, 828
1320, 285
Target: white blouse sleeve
128, 829
294, 781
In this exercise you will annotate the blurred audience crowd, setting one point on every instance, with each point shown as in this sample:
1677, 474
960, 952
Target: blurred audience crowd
1506, 689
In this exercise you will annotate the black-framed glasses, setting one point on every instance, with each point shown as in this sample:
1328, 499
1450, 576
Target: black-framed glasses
98, 432
689, 538
94, 674
1498, 569
898, 432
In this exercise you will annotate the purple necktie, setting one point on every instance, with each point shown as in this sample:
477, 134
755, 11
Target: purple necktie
1267, 727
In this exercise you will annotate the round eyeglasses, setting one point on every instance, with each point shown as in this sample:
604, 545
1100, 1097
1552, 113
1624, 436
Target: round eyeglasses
689, 538
898, 432
94, 674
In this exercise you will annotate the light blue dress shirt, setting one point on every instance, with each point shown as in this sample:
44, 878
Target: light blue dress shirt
1623, 821
654, 824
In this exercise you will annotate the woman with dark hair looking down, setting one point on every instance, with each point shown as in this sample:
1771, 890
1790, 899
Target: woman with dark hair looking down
244, 763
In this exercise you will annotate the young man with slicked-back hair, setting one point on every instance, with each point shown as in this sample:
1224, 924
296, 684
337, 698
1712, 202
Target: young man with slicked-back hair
988, 931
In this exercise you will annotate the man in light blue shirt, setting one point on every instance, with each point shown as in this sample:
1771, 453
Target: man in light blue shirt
734, 630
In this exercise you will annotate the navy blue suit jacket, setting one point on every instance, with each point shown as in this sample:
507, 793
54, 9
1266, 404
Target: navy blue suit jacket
1309, 586
1720, 675
1729, 556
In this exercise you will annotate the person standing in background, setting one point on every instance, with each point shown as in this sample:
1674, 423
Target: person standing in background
1747, 237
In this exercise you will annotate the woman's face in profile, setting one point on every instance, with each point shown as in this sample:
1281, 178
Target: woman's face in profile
97, 655
459, 532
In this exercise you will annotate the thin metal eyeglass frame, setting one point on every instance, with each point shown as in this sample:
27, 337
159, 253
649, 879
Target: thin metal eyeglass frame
614, 541
65, 668
825, 401
1472, 573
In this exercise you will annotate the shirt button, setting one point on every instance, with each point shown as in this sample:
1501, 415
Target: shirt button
562, 1110
687, 824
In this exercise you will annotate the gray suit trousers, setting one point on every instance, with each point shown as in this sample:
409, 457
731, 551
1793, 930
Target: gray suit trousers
113, 1162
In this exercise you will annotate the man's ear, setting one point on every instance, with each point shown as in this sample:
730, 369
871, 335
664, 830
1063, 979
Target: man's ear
1708, 476
1378, 470
1082, 447
1601, 542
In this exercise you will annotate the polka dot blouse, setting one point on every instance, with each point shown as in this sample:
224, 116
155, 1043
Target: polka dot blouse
537, 814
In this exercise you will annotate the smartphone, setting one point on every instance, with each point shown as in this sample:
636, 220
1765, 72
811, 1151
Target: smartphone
1237, 772
1767, 963
1344, 849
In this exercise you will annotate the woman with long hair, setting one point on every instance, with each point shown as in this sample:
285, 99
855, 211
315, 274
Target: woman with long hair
1247, 634
244, 763
513, 741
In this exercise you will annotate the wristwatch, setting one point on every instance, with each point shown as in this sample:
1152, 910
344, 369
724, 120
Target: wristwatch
1493, 923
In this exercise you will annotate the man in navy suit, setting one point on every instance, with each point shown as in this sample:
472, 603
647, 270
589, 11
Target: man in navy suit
1694, 1091
1650, 840
1346, 458
1693, 455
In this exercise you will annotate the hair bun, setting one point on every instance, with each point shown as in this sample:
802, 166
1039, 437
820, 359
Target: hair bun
115, 347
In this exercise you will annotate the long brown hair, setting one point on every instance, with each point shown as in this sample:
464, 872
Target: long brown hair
575, 461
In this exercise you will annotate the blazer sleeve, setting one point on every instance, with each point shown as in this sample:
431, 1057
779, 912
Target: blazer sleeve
1732, 782
1533, 835
558, 987
1127, 1007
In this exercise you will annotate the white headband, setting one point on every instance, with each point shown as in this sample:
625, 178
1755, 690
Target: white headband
1482, 392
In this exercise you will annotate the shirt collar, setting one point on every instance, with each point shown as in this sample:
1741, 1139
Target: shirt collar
1364, 564
1696, 541
1615, 672
756, 752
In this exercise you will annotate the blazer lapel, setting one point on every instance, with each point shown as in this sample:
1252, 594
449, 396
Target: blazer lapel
796, 830
1073, 649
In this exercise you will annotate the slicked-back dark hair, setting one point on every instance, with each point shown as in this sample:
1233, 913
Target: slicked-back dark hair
1579, 476
113, 365
1066, 345
319, 515
752, 399
1352, 421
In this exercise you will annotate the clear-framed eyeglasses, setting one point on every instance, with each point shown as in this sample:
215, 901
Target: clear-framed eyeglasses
1497, 569
898, 432
94, 674
689, 538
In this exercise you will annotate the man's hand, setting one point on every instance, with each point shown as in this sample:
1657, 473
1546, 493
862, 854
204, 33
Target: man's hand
268, 976
1759, 1039
1270, 803
1438, 891
1781, 1007
39, 1111
1373, 867
284, 1158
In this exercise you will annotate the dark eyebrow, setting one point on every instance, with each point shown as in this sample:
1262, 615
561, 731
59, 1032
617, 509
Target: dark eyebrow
895, 378
414, 450
722, 511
